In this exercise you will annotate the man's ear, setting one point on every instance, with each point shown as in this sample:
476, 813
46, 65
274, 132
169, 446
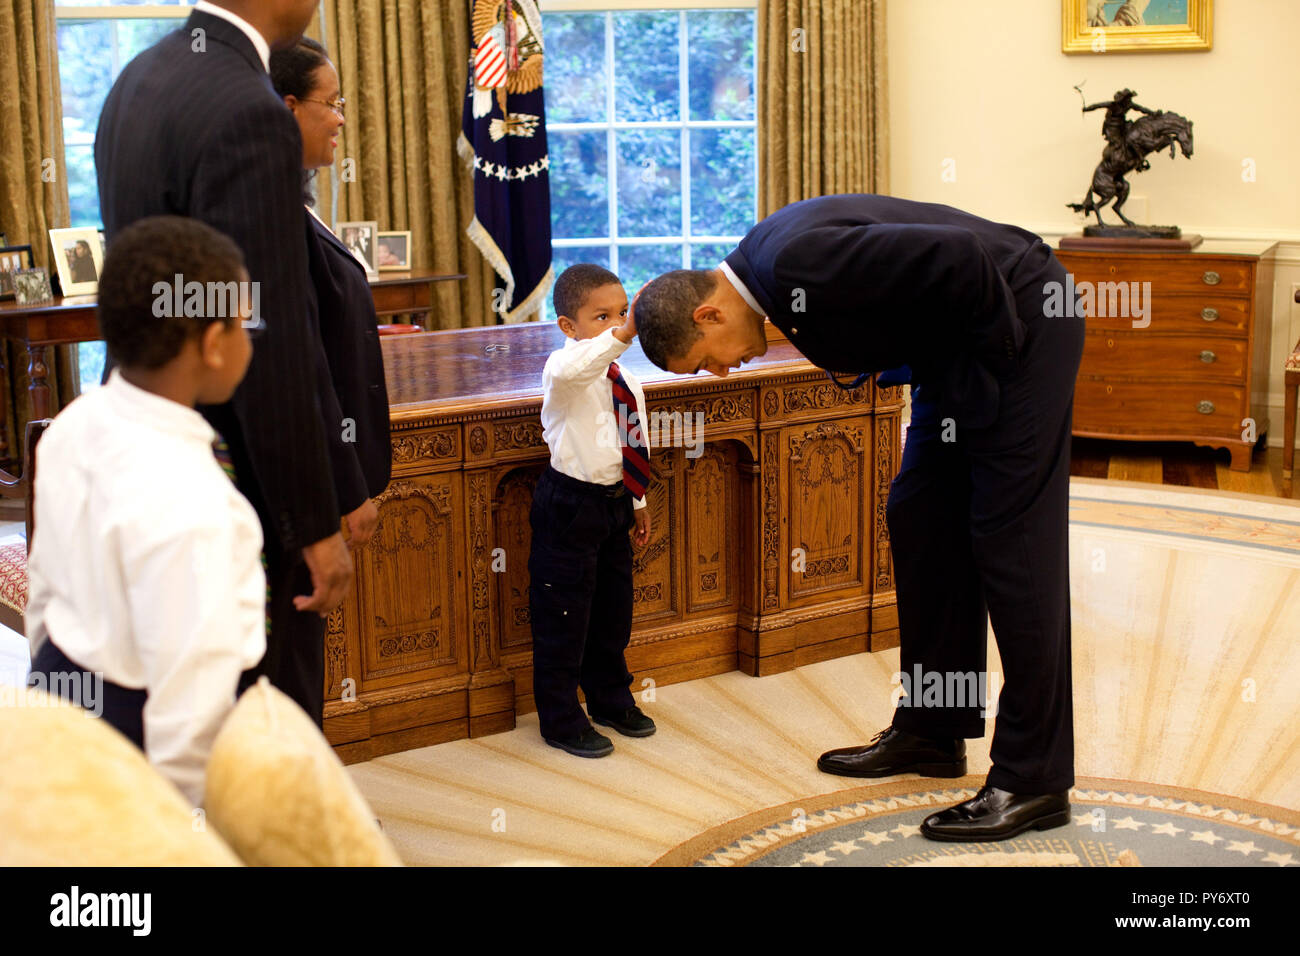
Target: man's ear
708, 314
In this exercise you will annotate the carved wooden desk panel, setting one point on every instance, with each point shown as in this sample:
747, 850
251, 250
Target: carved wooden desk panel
768, 544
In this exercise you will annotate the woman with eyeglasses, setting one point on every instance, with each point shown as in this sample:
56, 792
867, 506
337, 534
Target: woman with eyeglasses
358, 426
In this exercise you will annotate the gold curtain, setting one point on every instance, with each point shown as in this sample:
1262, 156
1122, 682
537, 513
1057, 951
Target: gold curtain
33, 191
823, 125
403, 66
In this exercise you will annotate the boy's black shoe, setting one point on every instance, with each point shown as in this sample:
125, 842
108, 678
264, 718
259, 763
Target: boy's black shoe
589, 743
630, 723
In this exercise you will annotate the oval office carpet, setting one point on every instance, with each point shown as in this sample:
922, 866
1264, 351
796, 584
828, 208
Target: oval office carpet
1186, 609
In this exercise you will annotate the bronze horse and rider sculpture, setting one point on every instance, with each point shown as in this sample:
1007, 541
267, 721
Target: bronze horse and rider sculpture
1128, 142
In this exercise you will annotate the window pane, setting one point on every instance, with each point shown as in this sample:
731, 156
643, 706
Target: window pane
575, 67
723, 194
721, 64
565, 256
579, 185
637, 265
649, 182
645, 66
91, 54
709, 255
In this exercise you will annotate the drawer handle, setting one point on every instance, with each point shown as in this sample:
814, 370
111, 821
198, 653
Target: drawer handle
1205, 408
1208, 357
1211, 278
1209, 315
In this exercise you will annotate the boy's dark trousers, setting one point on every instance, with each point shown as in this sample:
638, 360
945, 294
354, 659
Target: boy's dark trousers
580, 599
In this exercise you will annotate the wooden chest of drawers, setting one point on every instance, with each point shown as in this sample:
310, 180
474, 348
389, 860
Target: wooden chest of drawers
1177, 344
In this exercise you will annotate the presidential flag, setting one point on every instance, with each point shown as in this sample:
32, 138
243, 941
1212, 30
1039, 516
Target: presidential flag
503, 141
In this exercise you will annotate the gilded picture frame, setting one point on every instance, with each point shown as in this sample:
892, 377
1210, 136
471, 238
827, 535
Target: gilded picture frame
1136, 26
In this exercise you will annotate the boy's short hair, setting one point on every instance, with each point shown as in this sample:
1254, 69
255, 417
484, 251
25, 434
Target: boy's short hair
665, 312
145, 253
576, 283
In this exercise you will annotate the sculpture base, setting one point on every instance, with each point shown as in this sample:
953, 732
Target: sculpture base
1133, 232
1131, 243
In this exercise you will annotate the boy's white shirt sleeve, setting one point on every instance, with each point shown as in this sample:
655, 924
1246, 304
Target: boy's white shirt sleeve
190, 638
584, 361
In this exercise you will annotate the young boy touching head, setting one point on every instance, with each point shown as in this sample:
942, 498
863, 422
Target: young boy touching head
591, 495
145, 564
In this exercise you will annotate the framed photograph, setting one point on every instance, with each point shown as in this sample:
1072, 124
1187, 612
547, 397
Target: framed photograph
1152, 26
360, 238
394, 251
12, 259
79, 257
32, 287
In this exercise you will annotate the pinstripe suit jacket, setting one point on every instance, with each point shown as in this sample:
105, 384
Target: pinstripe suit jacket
195, 129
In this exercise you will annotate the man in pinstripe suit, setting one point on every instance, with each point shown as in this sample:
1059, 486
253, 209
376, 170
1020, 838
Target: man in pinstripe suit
193, 127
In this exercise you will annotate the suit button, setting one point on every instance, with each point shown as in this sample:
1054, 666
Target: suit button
794, 330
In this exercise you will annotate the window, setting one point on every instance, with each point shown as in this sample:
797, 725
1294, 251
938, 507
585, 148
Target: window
96, 40
650, 118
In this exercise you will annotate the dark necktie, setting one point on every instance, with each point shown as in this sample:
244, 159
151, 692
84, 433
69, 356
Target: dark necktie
636, 461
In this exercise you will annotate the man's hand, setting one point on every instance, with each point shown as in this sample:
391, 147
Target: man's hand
361, 524
331, 573
641, 530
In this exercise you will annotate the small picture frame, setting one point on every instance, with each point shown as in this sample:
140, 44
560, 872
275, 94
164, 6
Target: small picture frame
360, 239
79, 258
12, 259
1136, 26
32, 287
393, 251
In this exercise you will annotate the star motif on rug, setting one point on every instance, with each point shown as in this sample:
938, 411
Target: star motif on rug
819, 858
1205, 836
1281, 859
846, 847
874, 838
1245, 848
1084, 819
1128, 823
1168, 829
905, 830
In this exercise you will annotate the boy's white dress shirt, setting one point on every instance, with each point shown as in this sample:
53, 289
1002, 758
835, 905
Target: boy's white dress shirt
146, 566
578, 418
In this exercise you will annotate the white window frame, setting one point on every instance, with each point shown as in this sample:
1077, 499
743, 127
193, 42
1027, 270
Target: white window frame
686, 239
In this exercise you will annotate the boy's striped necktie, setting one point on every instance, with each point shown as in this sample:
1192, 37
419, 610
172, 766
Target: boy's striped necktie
636, 460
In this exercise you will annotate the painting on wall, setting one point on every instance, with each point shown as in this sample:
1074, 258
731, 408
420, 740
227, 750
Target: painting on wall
1113, 26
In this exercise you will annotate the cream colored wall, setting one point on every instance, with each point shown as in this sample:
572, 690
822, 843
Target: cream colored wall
986, 86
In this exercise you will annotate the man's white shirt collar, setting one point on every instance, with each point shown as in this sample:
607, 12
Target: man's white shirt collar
740, 287
259, 42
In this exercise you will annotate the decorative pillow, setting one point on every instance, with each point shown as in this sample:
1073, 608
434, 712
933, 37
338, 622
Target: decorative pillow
75, 792
280, 796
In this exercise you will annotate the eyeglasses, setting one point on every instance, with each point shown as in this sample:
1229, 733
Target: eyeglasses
336, 105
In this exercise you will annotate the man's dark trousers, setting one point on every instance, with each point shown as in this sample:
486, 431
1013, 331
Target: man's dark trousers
580, 600
978, 524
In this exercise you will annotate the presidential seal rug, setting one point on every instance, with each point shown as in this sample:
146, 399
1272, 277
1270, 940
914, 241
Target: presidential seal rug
1113, 823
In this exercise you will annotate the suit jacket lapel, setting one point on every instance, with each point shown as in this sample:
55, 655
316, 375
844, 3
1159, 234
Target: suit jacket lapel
324, 231
225, 32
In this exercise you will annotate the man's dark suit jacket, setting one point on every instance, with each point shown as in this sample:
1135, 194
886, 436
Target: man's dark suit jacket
864, 283
192, 127
348, 328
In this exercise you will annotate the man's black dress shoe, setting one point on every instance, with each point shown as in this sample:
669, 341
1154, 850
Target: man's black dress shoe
589, 743
631, 723
895, 751
994, 814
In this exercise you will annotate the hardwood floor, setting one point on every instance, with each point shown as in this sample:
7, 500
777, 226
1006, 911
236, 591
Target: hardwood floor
1176, 463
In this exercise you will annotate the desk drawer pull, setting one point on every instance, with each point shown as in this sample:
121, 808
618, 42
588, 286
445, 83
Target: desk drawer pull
1205, 408
1209, 315
1208, 357
1211, 278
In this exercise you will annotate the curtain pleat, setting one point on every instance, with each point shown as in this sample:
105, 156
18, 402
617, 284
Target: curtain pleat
823, 126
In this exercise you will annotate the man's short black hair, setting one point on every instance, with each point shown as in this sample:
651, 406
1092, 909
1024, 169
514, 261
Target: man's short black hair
148, 252
665, 312
576, 283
